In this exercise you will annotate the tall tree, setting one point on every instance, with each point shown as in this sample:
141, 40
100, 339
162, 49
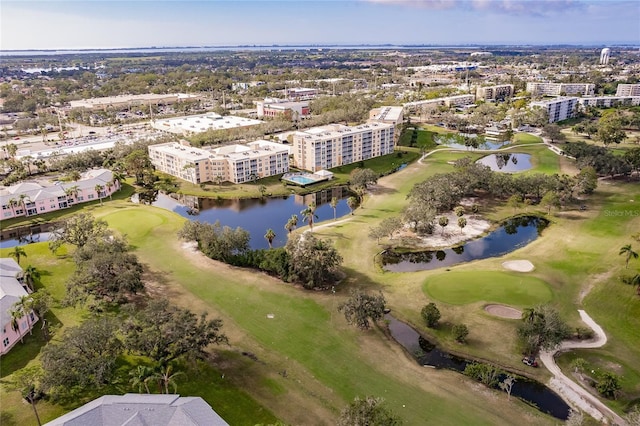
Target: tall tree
334, 205
313, 261
462, 222
362, 307
443, 221
30, 274
352, 203
165, 332
309, 214
99, 188
78, 230
18, 253
541, 328
270, 236
368, 412
85, 357
629, 253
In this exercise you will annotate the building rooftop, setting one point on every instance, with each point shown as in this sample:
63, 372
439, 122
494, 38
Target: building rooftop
202, 123
142, 410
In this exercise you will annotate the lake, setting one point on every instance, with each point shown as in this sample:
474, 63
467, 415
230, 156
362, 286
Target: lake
513, 234
256, 215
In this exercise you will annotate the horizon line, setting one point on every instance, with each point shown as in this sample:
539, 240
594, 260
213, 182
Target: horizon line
298, 45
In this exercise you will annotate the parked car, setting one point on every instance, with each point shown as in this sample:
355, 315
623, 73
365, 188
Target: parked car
530, 361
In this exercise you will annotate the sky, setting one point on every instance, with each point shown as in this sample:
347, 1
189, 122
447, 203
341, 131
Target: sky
88, 24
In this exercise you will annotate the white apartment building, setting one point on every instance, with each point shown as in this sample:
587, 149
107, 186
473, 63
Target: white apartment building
628, 90
231, 163
556, 89
559, 108
449, 101
609, 101
334, 145
492, 93
201, 123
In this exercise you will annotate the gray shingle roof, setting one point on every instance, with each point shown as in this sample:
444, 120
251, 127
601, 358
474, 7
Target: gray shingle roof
142, 410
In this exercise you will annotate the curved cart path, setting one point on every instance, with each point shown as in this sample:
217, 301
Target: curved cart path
570, 390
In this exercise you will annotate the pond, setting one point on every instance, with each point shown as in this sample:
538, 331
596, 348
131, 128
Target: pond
514, 233
507, 162
24, 240
256, 215
469, 141
535, 393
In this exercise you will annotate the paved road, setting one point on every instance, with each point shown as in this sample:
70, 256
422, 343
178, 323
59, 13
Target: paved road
572, 392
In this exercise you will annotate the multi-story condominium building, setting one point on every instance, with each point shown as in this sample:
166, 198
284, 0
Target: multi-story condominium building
12, 289
557, 89
272, 107
334, 145
449, 101
609, 101
559, 108
231, 163
628, 90
493, 93
31, 199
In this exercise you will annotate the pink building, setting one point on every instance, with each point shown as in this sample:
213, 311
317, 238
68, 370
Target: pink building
31, 199
11, 290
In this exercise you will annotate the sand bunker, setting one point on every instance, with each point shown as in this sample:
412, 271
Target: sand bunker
503, 311
518, 265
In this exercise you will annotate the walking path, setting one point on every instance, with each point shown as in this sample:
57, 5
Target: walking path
570, 390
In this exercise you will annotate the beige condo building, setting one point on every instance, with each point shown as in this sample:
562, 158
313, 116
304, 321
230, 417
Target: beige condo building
335, 145
231, 163
557, 89
492, 93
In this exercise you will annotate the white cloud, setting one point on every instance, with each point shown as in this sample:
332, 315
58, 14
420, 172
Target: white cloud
510, 7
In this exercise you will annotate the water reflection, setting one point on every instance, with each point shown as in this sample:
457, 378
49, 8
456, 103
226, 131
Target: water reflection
513, 234
506, 162
426, 353
256, 215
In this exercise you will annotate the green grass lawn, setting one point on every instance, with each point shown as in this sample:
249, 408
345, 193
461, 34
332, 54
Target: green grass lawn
464, 287
306, 337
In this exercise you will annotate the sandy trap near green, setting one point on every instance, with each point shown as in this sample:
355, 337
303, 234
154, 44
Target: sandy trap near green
503, 311
518, 265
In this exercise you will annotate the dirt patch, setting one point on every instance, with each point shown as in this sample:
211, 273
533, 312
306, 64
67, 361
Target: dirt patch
518, 265
503, 311
450, 235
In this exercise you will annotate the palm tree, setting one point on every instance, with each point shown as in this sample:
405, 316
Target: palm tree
309, 214
24, 306
16, 315
99, 188
352, 202
109, 185
13, 203
17, 253
29, 274
443, 221
635, 281
289, 226
462, 222
294, 220
166, 377
270, 235
334, 204
628, 251
72, 191
140, 377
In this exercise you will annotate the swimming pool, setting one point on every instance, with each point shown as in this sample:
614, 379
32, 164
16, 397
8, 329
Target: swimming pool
300, 180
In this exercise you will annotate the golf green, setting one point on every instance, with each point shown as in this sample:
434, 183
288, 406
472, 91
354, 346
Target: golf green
461, 288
